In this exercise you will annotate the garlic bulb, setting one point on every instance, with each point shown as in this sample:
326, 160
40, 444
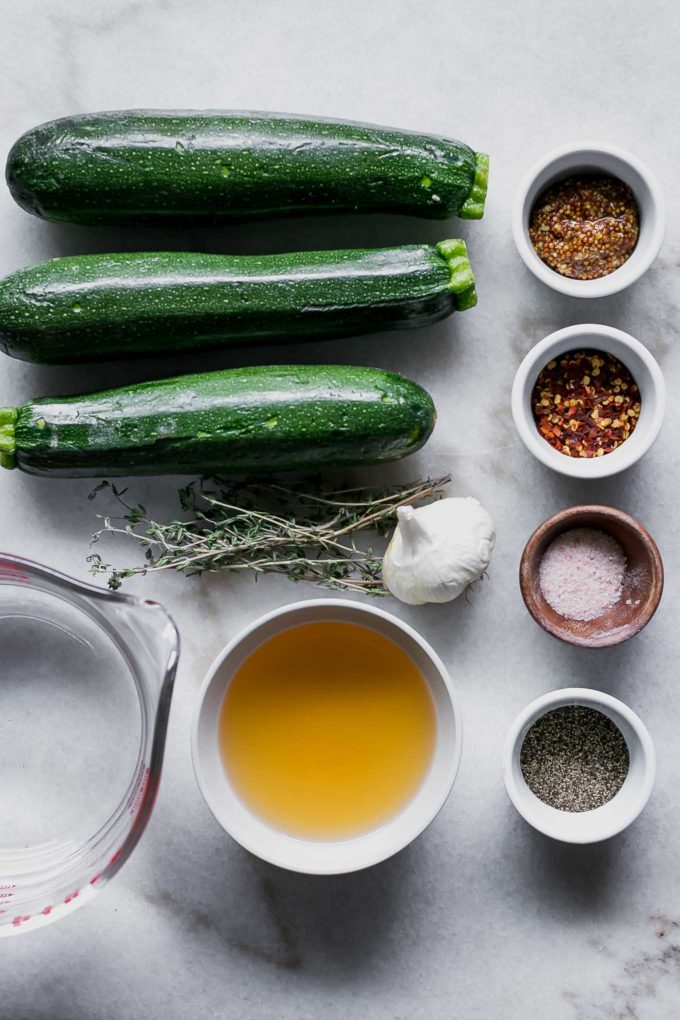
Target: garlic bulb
437, 550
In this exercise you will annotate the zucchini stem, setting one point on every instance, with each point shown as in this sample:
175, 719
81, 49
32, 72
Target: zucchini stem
473, 206
461, 279
8, 417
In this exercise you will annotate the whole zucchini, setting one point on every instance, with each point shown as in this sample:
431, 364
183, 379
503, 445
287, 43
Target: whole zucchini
89, 307
269, 418
144, 165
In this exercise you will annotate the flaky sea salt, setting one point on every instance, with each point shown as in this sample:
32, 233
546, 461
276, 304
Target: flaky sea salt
582, 572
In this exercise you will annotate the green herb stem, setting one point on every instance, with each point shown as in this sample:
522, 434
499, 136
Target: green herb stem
301, 531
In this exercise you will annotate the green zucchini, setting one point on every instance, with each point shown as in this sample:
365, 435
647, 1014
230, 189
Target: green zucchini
256, 419
89, 307
148, 165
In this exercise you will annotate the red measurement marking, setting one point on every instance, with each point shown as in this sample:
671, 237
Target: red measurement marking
46, 911
13, 571
16, 921
96, 877
71, 896
116, 856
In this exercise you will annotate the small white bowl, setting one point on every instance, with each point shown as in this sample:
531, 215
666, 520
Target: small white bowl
592, 157
614, 816
320, 857
638, 360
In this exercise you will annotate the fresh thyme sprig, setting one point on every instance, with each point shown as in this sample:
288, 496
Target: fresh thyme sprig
300, 530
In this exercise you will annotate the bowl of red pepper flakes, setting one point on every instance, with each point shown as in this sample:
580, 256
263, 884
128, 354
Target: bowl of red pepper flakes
589, 400
586, 403
588, 219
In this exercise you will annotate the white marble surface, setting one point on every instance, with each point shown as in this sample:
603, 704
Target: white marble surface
481, 917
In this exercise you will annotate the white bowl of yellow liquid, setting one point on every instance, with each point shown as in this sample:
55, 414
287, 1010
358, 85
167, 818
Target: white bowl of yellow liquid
327, 736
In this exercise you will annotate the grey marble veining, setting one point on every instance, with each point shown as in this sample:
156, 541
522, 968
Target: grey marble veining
481, 917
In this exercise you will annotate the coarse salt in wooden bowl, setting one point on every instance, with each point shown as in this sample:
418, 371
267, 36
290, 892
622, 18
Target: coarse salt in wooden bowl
642, 586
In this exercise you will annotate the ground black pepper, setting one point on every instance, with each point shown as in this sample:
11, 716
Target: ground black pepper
585, 227
574, 758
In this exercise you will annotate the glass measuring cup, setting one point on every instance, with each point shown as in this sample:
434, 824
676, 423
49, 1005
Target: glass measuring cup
86, 678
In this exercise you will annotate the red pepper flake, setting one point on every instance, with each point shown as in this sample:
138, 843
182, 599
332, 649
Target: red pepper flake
585, 403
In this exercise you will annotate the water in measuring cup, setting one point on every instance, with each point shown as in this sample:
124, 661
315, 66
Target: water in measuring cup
70, 721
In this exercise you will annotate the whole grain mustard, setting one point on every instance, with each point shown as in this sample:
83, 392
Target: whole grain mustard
585, 227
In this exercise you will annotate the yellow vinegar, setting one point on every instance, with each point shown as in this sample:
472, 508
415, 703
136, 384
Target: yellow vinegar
327, 730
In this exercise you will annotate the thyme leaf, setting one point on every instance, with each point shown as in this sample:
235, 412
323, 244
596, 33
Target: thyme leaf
302, 530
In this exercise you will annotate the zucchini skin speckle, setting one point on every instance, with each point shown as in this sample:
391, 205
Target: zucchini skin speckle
139, 166
93, 307
245, 420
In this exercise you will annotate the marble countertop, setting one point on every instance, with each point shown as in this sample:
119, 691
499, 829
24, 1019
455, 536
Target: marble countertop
480, 917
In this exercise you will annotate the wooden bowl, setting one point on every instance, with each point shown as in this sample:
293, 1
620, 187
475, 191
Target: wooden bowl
642, 588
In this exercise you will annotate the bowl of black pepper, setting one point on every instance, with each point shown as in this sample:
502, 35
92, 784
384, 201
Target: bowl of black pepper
588, 401
579, 765
589, 219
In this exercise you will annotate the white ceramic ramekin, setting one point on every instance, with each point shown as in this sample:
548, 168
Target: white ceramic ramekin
592, 157
642, 366
616, 814
319, 857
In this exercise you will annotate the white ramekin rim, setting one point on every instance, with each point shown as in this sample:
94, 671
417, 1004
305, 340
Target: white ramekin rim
558, 162
579, 827
359, 852
642, 365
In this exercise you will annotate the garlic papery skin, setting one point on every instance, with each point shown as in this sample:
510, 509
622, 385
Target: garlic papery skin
437, 550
